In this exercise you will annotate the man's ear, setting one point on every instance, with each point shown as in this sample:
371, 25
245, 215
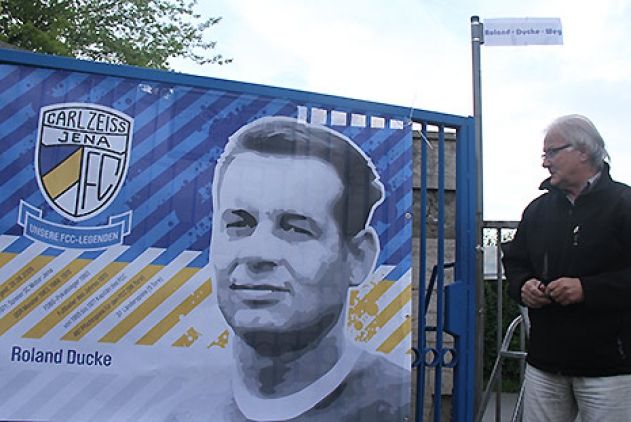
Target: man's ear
364, 250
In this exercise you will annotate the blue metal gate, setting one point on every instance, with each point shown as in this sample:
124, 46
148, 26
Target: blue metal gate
445, 351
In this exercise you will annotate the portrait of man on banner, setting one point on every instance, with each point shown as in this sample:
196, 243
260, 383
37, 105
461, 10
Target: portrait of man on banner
291, 234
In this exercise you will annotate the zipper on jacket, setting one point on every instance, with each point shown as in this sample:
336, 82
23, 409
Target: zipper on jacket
621, 348
575, 234
570, 242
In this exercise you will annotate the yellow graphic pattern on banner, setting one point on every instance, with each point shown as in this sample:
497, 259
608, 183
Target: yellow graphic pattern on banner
368, 314
366, 305
149, 305
169, 321
367, 319
5, 257
62, 177
73, 302
222, 340
396, 337
23, 274
102, 311
187, 339
41, 294
392, 309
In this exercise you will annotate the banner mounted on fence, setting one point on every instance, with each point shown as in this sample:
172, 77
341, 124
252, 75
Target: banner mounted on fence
523, 31
182, 253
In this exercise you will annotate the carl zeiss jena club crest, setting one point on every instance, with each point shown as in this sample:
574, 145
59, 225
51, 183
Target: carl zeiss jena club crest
82, 156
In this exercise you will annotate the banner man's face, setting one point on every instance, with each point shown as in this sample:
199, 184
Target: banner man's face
277, 252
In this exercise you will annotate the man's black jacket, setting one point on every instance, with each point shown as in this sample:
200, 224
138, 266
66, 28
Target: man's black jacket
590, 240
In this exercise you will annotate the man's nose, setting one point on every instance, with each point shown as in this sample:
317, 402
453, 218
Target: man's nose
545, 163
260, 252
259, 266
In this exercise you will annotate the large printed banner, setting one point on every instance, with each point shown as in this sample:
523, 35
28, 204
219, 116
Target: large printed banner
180, 253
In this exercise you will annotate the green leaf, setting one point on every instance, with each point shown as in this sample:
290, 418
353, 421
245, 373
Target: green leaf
137, 32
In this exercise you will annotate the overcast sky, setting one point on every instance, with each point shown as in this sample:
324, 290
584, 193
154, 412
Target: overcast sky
418, 54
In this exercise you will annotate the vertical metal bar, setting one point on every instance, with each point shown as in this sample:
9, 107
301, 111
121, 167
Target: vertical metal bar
459, 392
422, 285
500, 321
440, 281
523, 333
522, 346
464, 390
477, 39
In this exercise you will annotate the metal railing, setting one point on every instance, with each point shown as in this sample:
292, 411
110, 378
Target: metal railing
503, 354
496, 233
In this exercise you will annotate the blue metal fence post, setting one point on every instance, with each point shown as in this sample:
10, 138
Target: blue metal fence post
440, 285
466, 271
420, 374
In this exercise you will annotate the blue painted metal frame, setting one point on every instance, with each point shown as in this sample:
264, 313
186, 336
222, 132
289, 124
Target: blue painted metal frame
466, 194
421, 333
440, 284
56, 62
460, 320
456, 303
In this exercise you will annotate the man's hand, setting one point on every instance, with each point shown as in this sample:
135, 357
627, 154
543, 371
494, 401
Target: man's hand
565, 290
533, 294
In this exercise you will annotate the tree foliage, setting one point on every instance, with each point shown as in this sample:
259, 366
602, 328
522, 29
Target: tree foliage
137, 32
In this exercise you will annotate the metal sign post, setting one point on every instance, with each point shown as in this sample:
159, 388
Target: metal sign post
477, 39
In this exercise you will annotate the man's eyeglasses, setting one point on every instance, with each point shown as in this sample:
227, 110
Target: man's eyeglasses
550, 153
